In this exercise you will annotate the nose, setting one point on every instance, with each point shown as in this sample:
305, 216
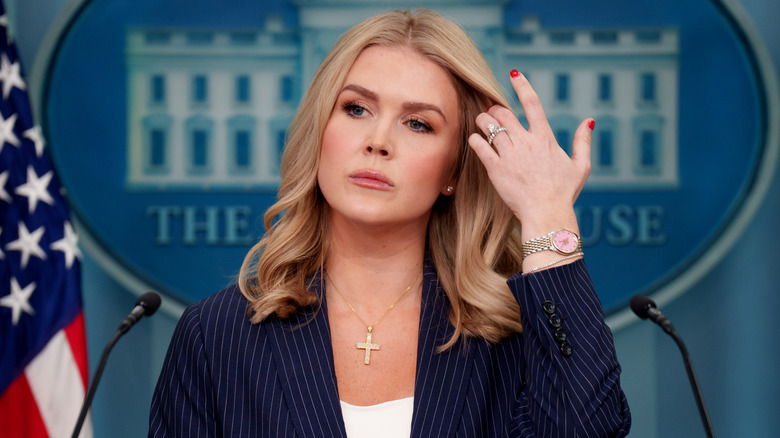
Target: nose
379, 142
378, 149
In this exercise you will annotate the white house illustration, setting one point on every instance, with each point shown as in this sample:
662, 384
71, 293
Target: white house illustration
208, 109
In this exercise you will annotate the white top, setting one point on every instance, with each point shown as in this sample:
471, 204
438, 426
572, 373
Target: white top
391, 419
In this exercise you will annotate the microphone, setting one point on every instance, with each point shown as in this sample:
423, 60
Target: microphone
146, 305
645, 308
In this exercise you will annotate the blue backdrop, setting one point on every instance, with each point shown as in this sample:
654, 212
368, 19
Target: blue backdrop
726, 318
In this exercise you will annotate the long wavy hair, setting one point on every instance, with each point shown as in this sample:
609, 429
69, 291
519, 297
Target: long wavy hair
473, 237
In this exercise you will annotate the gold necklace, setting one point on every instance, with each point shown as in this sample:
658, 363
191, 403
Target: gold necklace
368, 345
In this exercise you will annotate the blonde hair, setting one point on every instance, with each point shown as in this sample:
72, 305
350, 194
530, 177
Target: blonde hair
473, 237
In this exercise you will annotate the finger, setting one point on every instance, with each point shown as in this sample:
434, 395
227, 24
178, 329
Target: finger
513, 136
486, 154
581, 146
532, 105
507, 118
484, 120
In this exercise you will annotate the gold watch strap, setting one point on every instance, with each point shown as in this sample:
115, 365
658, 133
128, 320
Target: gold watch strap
545, 243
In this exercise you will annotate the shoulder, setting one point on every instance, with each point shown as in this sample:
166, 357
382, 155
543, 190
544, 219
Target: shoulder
226, 301
224, 311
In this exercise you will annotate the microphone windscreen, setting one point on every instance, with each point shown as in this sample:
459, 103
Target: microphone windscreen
150, 301
640, 304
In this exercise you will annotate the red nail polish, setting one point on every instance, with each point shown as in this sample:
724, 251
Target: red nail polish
591, 124
514, 73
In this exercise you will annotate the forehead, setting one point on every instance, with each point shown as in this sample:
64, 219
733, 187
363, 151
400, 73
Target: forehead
402, 73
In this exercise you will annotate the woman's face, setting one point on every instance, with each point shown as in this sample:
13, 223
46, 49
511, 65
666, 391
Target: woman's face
390, 144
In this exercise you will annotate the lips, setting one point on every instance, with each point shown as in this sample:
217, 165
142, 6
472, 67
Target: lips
371, 179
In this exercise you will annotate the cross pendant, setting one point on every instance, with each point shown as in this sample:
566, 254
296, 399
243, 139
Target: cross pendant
368, 346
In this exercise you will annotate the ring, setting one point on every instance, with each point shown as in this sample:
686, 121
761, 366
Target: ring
494, 130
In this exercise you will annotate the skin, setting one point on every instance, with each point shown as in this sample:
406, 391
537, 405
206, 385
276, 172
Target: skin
387, 154
530, 171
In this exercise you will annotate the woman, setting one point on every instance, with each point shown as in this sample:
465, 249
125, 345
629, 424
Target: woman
386, 298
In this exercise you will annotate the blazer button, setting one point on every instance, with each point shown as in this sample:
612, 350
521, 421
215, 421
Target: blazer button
560, 335
565, 349
548, 307
554, 321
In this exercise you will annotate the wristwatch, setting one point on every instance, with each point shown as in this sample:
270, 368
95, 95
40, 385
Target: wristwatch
562, 241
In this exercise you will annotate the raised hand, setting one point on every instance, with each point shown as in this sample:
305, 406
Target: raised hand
532, 174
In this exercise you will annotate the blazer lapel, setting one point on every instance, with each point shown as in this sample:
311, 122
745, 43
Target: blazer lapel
304, 358
442, 378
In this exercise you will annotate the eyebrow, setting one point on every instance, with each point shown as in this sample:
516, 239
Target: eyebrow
409, 106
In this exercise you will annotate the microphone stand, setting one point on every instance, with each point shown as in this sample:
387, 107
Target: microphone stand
645, 308
705, 418
95, 380
146, 305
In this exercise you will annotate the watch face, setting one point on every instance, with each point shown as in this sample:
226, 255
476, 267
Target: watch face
565, 241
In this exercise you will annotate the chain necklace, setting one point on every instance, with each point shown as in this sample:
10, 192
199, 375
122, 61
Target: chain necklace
368, 345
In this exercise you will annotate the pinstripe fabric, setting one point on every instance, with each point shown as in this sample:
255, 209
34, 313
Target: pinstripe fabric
226, 377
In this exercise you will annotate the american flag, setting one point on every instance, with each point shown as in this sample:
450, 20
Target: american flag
43, 360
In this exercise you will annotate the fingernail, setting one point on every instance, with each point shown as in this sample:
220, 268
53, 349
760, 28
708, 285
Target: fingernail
514, 73
592, 124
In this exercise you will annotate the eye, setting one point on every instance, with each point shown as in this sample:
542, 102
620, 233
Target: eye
354, 109
419, 126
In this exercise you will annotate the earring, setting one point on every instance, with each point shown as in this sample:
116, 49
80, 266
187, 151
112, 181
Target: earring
450, 189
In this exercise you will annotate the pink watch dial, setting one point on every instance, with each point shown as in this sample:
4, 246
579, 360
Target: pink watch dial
565, 241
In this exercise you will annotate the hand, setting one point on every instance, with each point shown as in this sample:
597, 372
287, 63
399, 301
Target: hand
530, 171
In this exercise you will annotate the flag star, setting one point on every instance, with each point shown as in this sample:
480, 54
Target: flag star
7, 134
2, 254
68, 245
36, 189
34, 134
10, 75
3, 194
18, 300
28, 244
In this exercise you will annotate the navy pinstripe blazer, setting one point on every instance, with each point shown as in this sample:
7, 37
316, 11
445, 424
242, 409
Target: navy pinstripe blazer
226, 377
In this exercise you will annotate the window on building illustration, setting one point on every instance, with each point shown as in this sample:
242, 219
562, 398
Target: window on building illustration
562, 37
286, 89
281, 135
605, 88
243, 149
564, 139
647, 87
157, 148
605, 37
158, 89
200, 148
521, 38
243, 38
243, 89
200, 89
648, 37
648, 150
200, 38
606, 153
157, 37
562, 87
286, 39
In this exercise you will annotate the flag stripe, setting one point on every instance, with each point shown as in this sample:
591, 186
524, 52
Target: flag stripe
56, 384
76, 336
20, 411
